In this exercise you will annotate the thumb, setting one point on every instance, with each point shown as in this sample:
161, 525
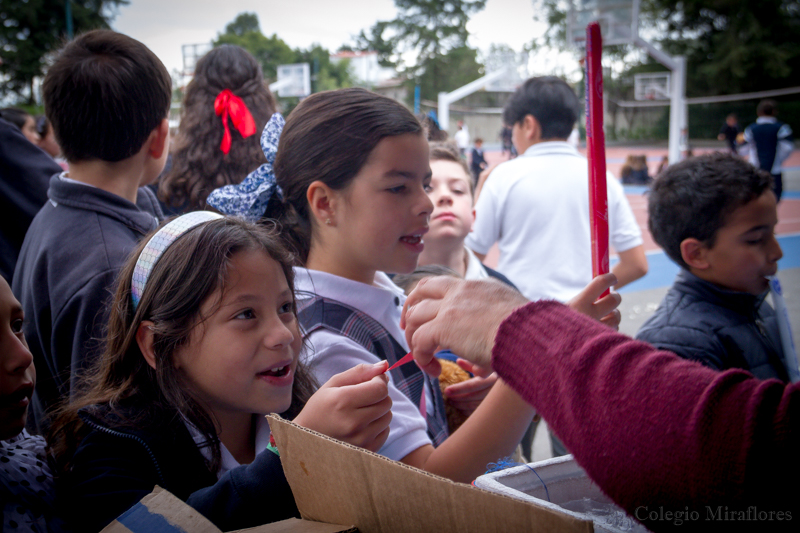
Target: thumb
357, 374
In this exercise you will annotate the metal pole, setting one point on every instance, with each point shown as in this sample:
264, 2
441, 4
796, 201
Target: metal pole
444, 112
68, 13
677, 109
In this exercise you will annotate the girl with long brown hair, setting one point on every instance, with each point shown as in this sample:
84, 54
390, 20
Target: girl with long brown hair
202, 340
225, 106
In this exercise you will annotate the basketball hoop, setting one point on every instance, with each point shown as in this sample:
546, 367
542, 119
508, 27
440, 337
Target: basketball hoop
652, 86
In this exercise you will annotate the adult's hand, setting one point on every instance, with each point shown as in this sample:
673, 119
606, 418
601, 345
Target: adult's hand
457, 315
464, 316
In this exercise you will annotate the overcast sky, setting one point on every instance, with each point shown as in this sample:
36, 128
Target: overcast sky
165, 25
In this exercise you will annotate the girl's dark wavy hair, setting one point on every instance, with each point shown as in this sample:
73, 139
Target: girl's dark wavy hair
328, 137
187, 273
198, 164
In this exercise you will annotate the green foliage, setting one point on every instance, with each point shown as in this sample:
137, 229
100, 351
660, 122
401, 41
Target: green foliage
435, 33
245, 31
448, 72
732, 46
31, 30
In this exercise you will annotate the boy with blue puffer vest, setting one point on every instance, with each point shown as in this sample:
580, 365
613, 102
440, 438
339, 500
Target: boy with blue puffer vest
107, 97
715, 216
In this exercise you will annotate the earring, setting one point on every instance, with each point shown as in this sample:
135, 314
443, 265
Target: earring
328, 221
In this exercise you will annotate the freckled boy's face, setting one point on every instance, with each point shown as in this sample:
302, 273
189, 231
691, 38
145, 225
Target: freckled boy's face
745, 250
17, 373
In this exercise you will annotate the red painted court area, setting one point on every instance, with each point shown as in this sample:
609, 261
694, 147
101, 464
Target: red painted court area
788, 209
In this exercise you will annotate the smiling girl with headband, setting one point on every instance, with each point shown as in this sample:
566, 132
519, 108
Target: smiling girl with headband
202, 341
350, 173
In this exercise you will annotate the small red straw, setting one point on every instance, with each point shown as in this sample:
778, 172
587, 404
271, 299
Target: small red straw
596, 151
407, 358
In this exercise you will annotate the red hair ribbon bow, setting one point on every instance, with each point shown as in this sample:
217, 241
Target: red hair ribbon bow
228, 104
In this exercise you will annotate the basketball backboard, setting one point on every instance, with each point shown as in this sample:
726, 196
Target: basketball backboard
294, 80
652, 86
514, 66
619, 21
191, 54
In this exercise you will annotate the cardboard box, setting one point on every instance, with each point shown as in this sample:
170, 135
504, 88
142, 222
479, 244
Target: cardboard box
337, 483
162, 512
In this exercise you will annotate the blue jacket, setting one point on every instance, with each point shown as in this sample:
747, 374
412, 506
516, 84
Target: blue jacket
25, 171
65, 274
720, 328
115, 466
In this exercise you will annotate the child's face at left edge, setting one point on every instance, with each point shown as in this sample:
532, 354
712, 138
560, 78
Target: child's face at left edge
17, 373
382, 215
241, 360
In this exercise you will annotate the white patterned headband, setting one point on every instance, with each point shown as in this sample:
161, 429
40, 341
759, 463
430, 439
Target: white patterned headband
159, 242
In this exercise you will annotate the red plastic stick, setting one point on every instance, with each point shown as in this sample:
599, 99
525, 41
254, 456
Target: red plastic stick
596, 151
407, 358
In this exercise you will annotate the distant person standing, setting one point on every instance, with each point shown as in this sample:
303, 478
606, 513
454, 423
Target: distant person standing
505, 137
476, 161
462, 138
729, 132
770, 142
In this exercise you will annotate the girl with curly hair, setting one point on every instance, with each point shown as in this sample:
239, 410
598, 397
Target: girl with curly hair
225, 104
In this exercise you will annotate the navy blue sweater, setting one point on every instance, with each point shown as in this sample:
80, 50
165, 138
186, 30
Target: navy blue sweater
25, 171
115, 466
65, 276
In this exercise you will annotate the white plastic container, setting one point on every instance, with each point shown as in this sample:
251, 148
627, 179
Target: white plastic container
569, 491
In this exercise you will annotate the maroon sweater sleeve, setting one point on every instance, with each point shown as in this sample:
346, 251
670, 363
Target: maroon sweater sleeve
650, 428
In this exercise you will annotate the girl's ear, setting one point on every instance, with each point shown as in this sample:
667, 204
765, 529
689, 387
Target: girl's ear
693, 253
144, 338
322, 203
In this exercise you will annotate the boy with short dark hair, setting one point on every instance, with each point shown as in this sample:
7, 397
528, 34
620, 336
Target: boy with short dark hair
107, 97
715, 216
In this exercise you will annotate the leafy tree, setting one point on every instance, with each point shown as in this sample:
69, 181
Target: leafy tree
435, 33
31, 30
448, 72
245, 31
731, 46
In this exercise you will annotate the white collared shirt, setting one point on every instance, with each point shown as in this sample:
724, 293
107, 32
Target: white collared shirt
228, 462
331, 353
475, 269
536, 207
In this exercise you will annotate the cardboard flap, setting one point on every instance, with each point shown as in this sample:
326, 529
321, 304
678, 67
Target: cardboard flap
161, 512
338, 483
295, 525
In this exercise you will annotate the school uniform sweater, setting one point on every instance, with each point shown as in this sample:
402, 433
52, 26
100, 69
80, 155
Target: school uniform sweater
115, 466
25, 172
66, 275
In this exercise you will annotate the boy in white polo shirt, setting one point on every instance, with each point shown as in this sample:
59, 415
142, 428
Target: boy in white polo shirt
537, 205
